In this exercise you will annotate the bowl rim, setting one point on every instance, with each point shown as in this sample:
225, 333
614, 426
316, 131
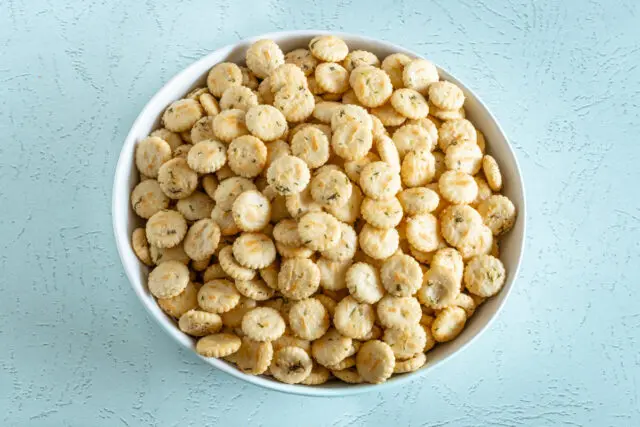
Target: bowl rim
299, 389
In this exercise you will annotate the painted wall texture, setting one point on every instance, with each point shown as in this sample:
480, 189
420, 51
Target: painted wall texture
77, 348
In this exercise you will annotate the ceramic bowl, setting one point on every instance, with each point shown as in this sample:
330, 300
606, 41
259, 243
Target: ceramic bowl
125, 221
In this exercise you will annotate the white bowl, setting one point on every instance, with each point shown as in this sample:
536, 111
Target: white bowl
125, 221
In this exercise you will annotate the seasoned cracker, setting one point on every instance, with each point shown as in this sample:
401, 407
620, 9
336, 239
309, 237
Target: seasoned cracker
381, 213
349, 211
378, 243
199, 323
349, 376
387, 151
218, 296
380, 181
311, 145
409, 103
229, 190
178, 305
394, 65
398, 312
498, 213
233, 317
351, 141
449, 258
248, 78
464, 157
418, 168
457, 187
353, 319
176, 253
419, 74
255, 289
168, 279
331, 348
423, 232
309, 319
254, 357
230, 124
446, 95
181, 115
270, 274
263, 57
303, 59
349, 114
295, 102
286, 75
237, 97
448, 324
196, 206
406, 342
371, 86
251, 211
291, 365
388, 115
484, 275
165, 229
147, 199
401, 275
440, 287
232, 267
202, 130
223, 76
353, 168
319, 375
288, 175
364, 284
263, 324
182, 151
151, 153
332, 77
319, 231
209, 104
218, 345
253, 250
455, 132
171, 138
328, 48
141, 246
484, 191
410, 365
492, 172
457, 222
331, 187
207, 156
286, 232
265, 96
333, 273
292, 251
419, 200
346, 247
323, 111
298, 278
202, 239
225, 221
247, 156
412, 138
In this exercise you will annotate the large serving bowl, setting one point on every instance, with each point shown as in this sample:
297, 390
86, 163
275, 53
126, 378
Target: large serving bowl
125, 220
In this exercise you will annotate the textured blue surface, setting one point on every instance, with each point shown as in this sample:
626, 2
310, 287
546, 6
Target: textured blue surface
77, 348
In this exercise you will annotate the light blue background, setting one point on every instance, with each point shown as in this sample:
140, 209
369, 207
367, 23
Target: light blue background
76, 347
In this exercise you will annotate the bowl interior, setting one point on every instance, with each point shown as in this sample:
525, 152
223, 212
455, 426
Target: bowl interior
125, 221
